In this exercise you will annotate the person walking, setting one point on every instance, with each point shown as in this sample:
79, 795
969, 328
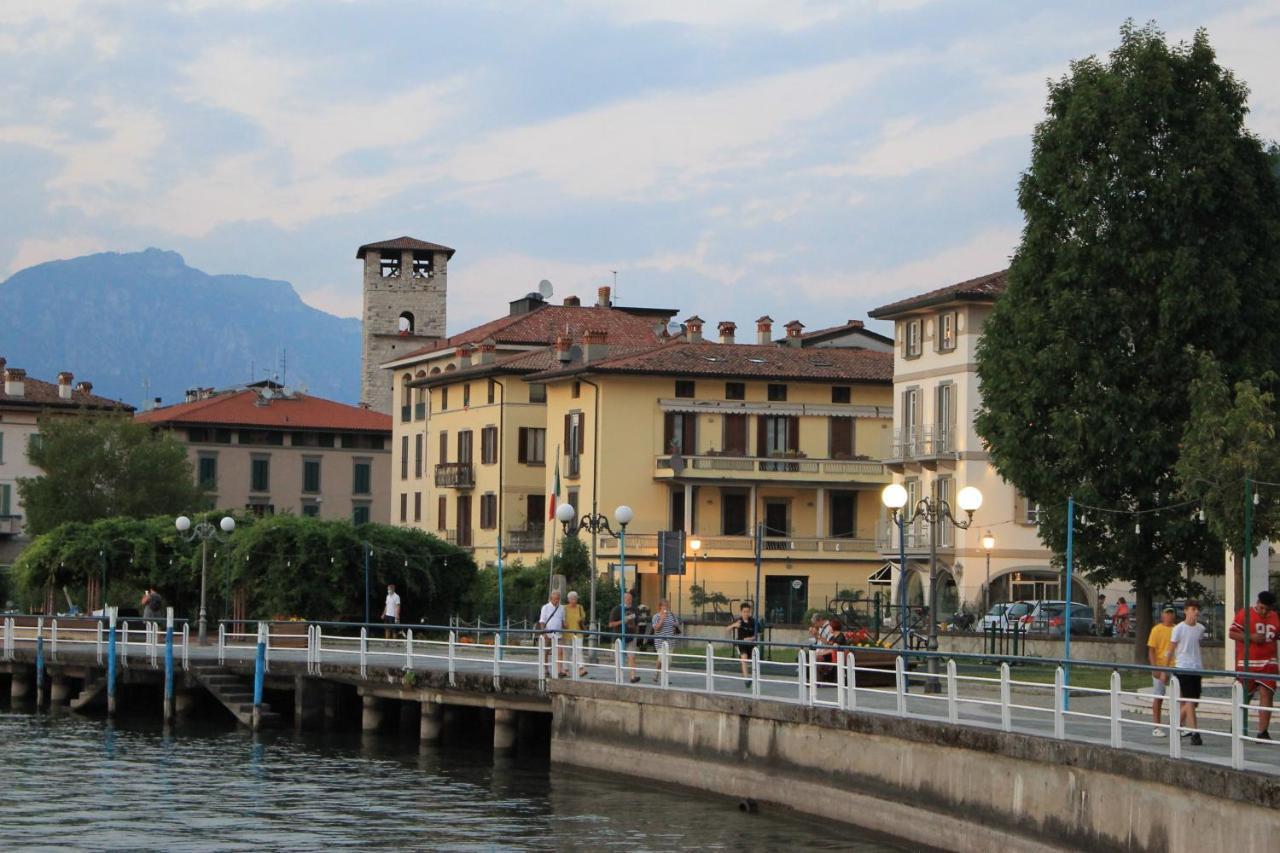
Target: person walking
390, 610
1160, 653
1262, 625
665, 626
1120, 621
551, 622
745, 630
575, 623
152, 605
1186, 638
633, 621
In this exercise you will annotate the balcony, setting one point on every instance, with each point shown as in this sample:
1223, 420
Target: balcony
782, 469
775, 547
10, 525
524, 541
455, 475
923, 442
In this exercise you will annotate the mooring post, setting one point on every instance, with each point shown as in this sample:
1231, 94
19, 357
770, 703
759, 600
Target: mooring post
259, 665
39, 662
168, 664
111, 661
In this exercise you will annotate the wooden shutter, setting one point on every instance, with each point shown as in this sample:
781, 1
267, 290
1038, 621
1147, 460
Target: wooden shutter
841, 438
689, 434
444, 448
442, 512
762, 435
568, 426
735, 434
522, 452
793, 433
668, 431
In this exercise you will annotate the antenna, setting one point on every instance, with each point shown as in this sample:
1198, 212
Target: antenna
615, 285
544, 288
284, 366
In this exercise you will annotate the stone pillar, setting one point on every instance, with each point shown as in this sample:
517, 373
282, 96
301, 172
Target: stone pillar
431, 722
184, 701
20, 686
59, 690
504, 728
371, 719
308, 703
332, 705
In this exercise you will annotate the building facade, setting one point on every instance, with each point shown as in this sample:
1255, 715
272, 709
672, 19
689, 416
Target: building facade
23, 400
268, 450
935, 451
406, 282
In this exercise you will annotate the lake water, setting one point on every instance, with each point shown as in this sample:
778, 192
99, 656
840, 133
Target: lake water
73, 782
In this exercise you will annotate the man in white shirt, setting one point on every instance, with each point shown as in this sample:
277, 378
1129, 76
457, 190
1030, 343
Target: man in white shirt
1186, 656
551, 620
391, 610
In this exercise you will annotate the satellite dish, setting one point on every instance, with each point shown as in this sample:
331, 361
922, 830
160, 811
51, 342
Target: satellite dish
544, 287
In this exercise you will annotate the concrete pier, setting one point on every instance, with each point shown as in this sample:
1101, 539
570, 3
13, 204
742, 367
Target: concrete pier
504, 728
371, 717
59, 690
431, 722
184, 701
21, 686
308, 703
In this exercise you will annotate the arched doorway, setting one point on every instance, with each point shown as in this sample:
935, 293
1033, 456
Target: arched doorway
948, 593
1036, 583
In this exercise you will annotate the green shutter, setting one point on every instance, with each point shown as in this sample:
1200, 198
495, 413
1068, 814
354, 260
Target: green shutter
4, 499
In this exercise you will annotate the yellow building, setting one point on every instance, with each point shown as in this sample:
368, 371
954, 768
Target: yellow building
470, 446
720, 440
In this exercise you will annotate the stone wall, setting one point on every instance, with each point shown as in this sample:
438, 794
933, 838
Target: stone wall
385, 299
948, 787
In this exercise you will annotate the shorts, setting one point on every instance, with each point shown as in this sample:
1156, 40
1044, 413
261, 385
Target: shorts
1252, 684
744, 649
1190, 686
1157, 687
390, 620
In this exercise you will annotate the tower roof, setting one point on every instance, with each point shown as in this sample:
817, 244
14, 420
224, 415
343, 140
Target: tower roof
404, 243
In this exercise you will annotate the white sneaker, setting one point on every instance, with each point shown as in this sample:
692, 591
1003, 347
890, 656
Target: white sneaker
1159, 733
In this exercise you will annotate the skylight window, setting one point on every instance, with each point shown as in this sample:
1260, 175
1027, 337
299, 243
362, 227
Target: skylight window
757, 361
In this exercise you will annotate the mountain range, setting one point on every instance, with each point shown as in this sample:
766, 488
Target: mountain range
141, 325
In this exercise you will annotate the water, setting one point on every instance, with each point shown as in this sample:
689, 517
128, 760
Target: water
68, 781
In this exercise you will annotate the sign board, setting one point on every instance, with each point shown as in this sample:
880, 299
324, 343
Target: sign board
671, 552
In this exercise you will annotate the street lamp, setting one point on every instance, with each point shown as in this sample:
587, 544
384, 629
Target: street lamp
592, 522
934, 511
988, 543
204, 531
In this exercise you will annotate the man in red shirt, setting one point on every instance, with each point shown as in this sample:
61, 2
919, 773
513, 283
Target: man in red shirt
1263, 625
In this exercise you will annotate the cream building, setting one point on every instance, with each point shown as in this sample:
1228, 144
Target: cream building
936, 452
268, 450
23, 401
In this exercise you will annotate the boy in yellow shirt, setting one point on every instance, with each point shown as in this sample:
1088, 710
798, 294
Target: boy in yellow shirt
1160, 653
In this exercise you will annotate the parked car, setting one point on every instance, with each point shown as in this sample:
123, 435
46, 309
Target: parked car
1006, 614
1049, 617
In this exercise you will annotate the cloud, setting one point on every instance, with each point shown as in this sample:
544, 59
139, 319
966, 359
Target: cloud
787, 16
36, 251
481, 288
337, 299
668, 145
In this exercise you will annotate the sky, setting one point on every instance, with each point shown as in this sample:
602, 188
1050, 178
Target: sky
807, 159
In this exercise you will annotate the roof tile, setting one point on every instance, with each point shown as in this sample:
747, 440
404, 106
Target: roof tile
248, 408
985, 287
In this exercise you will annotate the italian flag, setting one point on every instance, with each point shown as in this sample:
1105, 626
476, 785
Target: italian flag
555, 491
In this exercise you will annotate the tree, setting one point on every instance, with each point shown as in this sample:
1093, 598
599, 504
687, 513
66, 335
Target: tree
100, 466
1230, 436
1152, 231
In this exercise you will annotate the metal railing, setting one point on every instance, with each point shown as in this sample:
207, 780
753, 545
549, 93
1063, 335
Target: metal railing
774, 465
455, 475
143, 639
923, 440
745, 545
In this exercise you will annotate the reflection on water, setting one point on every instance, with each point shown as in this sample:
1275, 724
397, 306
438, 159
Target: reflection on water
72, 781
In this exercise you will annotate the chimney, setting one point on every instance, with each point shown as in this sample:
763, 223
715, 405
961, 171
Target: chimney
764, 330
595, 345
693, 329
84, 387
856, 324
191, 395
64, 385
727, 328
488, 350
794, 328
14, 386
572, 302
3, 362
155, 404
464, 356
602, 297
563, 345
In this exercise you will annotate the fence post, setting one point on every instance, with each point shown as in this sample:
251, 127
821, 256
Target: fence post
408, 648
664, 657
39, 662
453, 645
111, 662
124, 644
1115, 708
1006, 713
542, 657
842, 695
497, 659
364, 651
575, 657
813, 678
802, 672
168, 664
851, 680
710, 669
900, 683
953, 697
266, 649
1059, 718
53, 639
1175, 717
1237, 725
554, 651
617, 661
755, 672
97, 641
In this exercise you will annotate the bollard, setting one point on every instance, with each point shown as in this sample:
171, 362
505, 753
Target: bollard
168, 665
111, 662
39, 662
259, 668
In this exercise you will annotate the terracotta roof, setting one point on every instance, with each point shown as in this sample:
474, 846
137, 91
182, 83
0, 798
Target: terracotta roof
404, 243
541, 326
836, 331
983, 288
248, 408
531, 361
742, 361
44, 395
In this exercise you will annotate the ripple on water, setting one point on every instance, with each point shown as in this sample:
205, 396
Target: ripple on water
71, 781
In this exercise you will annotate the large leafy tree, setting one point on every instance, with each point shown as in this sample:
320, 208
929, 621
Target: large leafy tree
1152, 230
102, 466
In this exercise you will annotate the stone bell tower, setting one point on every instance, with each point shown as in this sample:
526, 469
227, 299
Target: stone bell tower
405, 284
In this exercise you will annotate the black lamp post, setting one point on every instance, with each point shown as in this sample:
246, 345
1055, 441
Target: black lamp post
204, 531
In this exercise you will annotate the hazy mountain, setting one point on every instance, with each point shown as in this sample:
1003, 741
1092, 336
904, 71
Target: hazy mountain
122, 320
